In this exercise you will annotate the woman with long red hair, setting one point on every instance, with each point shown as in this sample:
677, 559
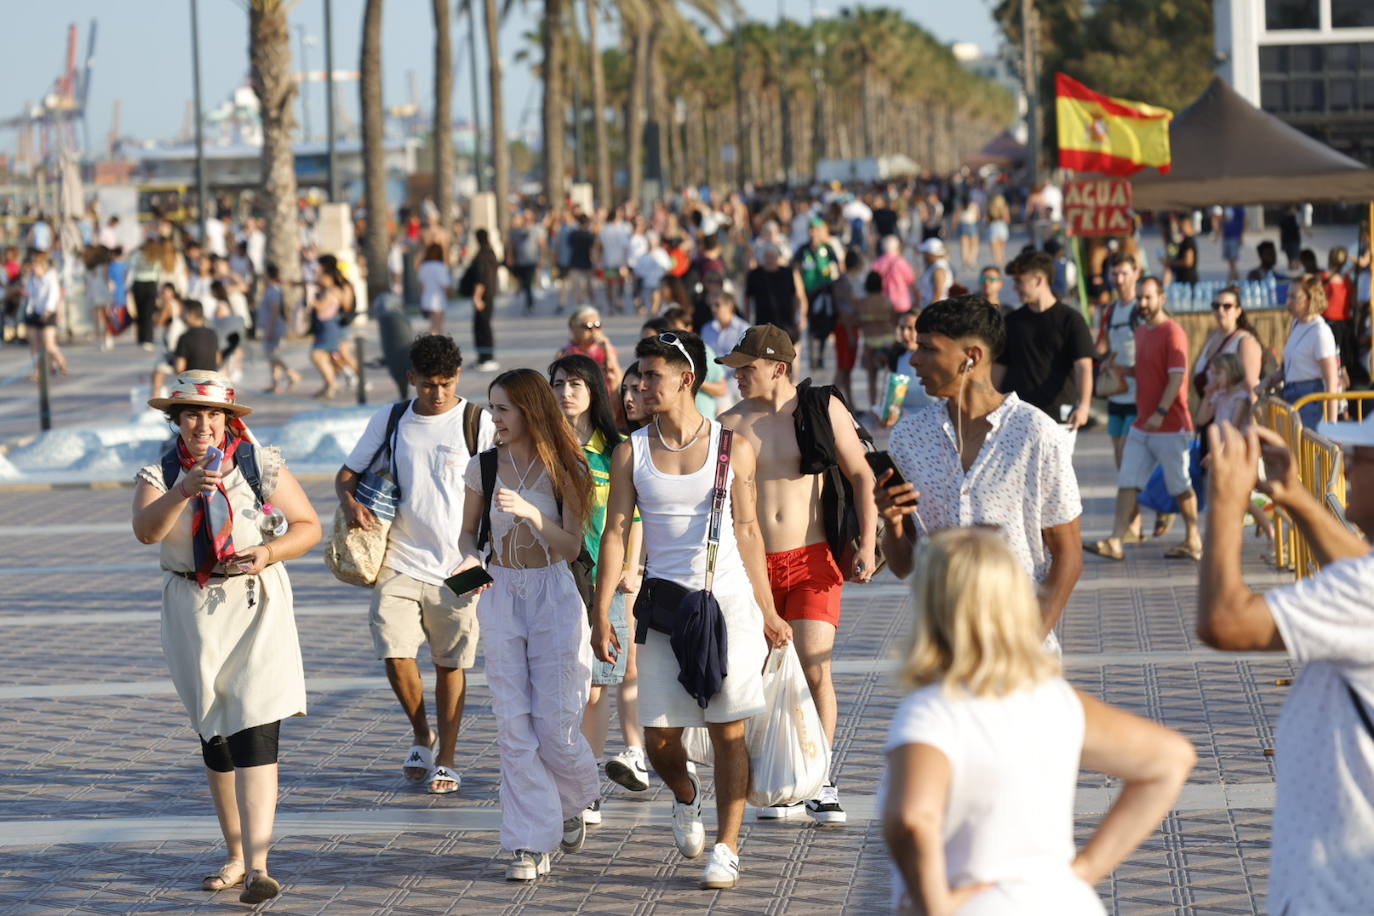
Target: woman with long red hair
534, 623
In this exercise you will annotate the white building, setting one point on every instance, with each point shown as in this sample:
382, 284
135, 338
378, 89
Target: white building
1309, 62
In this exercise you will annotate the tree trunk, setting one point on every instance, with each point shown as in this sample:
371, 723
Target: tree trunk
500, 154
602, 172
634, 110
269, 42
375, 242
653, 104
555, 111
866, 112
443, 112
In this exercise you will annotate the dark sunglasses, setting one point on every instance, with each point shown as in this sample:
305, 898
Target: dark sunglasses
1217, 305
591, 325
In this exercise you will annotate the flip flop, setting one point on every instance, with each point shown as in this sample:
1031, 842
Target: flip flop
1104, 549
230, 874
419, 757
443, 773
1183, 552
262, 887
1163, 522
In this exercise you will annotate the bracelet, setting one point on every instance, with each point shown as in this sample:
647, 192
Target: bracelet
269, 553
181, 491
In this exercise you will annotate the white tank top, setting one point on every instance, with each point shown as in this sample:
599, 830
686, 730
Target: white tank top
676, 509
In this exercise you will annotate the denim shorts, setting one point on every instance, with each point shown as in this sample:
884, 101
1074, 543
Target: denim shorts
1119, 419
605, 674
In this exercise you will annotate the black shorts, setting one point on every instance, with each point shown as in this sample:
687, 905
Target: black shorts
41, 321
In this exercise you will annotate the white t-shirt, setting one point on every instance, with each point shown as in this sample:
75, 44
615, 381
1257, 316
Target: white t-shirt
615, 245
1013, 773
1121, 340
45, 293
435, 280
1322, 860
431, 455
215, 242
1308, 342
651, 267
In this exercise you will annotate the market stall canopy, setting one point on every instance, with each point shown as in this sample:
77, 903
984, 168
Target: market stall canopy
1228, 152
1002, 150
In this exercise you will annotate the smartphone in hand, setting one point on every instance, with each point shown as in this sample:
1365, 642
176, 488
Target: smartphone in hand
467, 580
216, 457
881, 463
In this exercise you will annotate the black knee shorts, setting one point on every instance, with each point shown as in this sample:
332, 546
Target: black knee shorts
252, 747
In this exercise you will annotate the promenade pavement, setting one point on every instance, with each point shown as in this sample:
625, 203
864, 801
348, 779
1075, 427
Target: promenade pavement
104, 808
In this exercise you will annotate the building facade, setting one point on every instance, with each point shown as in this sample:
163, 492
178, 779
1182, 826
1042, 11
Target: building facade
1308, 62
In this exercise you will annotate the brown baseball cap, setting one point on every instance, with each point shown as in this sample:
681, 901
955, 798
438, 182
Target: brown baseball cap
762, 341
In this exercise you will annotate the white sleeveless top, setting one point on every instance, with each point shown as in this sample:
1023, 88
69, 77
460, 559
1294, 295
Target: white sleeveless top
676, 509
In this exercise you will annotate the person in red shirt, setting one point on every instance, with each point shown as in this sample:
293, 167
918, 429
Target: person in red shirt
1163, 430
1339, 315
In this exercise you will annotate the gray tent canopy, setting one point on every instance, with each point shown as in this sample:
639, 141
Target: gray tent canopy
1227, 151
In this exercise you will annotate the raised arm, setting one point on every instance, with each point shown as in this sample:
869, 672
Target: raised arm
749, 538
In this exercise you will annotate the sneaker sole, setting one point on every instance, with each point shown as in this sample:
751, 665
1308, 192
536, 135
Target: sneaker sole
625, 776
829, 817
719, 884
780, 816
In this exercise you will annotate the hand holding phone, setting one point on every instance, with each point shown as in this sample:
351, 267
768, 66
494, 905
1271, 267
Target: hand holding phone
468, 580
881, 462
215, 458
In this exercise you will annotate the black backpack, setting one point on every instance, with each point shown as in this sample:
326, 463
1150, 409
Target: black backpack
245, 456
816, 441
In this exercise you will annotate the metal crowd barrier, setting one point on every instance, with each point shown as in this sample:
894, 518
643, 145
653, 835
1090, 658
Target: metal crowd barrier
1321, 469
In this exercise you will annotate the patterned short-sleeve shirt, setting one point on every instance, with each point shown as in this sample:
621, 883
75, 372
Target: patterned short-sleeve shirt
1022, 480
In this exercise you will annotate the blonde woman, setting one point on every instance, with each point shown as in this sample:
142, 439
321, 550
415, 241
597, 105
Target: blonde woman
1310, 360
983, 754
999, 228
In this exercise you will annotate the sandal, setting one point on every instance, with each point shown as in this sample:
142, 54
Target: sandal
1163, 522
1183, 552
420, 757
1104, 549
230, 874
443, 774
261, 887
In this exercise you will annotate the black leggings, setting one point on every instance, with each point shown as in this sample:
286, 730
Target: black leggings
252, 747
145, 301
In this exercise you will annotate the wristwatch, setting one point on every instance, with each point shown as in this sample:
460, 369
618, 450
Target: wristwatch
1162, 411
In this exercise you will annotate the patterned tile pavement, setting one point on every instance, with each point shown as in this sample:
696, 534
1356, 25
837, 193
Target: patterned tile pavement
103, 808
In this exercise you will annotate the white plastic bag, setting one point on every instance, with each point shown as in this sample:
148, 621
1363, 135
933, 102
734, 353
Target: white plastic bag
788, 752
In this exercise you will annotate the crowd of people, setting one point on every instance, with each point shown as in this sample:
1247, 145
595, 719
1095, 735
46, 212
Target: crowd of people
576, 519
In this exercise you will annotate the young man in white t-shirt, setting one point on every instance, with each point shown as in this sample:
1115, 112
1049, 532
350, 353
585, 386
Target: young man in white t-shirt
1323, 849
434, 439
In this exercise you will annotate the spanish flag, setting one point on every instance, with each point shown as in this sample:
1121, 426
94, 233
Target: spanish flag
1098, 133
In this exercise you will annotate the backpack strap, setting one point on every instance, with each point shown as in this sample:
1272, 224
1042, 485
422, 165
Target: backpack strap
246, 458
472, 425
388, 444
171, 467
487, 462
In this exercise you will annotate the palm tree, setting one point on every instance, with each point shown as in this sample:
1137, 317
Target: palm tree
555, 105
500, 154
269, 52
602, 172
443, 111
375, 241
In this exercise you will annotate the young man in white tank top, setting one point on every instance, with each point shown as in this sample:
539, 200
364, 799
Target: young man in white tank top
804, 578
673, 460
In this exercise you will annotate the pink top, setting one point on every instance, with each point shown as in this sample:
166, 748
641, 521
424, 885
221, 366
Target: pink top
898, 278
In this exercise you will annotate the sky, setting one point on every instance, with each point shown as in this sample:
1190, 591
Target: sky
143, 54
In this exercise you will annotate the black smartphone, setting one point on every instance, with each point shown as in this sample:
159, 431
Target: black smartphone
881, 463
468, 580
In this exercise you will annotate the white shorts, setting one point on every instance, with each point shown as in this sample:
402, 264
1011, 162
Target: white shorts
1145, 450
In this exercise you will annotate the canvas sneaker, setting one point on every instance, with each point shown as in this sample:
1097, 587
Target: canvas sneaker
574, 834
526, 865
782, 812
826, 808
592, 814
722, 869
688, 831
628, 769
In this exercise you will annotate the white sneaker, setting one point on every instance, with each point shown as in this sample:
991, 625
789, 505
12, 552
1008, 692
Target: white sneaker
628, 769
688, 832
592, 814
826, 809
722, 870
782, 812
489, 365
574, 833
526, 865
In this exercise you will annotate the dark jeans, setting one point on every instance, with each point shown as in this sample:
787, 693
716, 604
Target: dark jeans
482, 337
1347, 348
1312, 413
145, 301
524, 275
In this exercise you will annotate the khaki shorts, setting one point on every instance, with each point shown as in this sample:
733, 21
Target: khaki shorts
407, 612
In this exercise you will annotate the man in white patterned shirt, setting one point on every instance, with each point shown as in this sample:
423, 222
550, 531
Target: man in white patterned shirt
980, 457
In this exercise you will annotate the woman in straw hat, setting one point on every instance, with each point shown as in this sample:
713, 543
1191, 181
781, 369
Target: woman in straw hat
227, 513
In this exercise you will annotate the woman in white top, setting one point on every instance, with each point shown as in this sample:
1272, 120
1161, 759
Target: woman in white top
436, 283
983, 755
534, 625
1310, 363
43, 311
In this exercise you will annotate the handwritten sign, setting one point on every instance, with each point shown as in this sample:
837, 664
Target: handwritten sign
1098, 207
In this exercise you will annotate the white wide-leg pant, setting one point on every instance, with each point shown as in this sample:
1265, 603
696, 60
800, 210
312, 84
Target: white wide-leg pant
537, 645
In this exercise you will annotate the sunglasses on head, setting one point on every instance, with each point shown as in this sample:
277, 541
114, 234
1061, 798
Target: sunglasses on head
591, 325
673, 340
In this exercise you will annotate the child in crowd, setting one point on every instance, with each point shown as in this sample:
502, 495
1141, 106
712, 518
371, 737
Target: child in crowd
876, 319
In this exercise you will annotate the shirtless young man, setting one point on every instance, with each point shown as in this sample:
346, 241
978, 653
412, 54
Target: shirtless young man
667, 470
802, 574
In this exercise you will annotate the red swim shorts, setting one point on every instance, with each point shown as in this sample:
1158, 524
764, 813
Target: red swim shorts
846, 347
806, 583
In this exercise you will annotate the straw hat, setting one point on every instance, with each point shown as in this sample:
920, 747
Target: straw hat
202, 388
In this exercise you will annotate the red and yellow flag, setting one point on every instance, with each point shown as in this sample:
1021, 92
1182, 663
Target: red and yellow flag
1098, 133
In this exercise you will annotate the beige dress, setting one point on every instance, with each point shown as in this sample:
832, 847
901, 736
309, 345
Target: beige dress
234, 666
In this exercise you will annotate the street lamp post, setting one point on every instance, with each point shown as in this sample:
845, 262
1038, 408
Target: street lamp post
329, 97
201, 202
